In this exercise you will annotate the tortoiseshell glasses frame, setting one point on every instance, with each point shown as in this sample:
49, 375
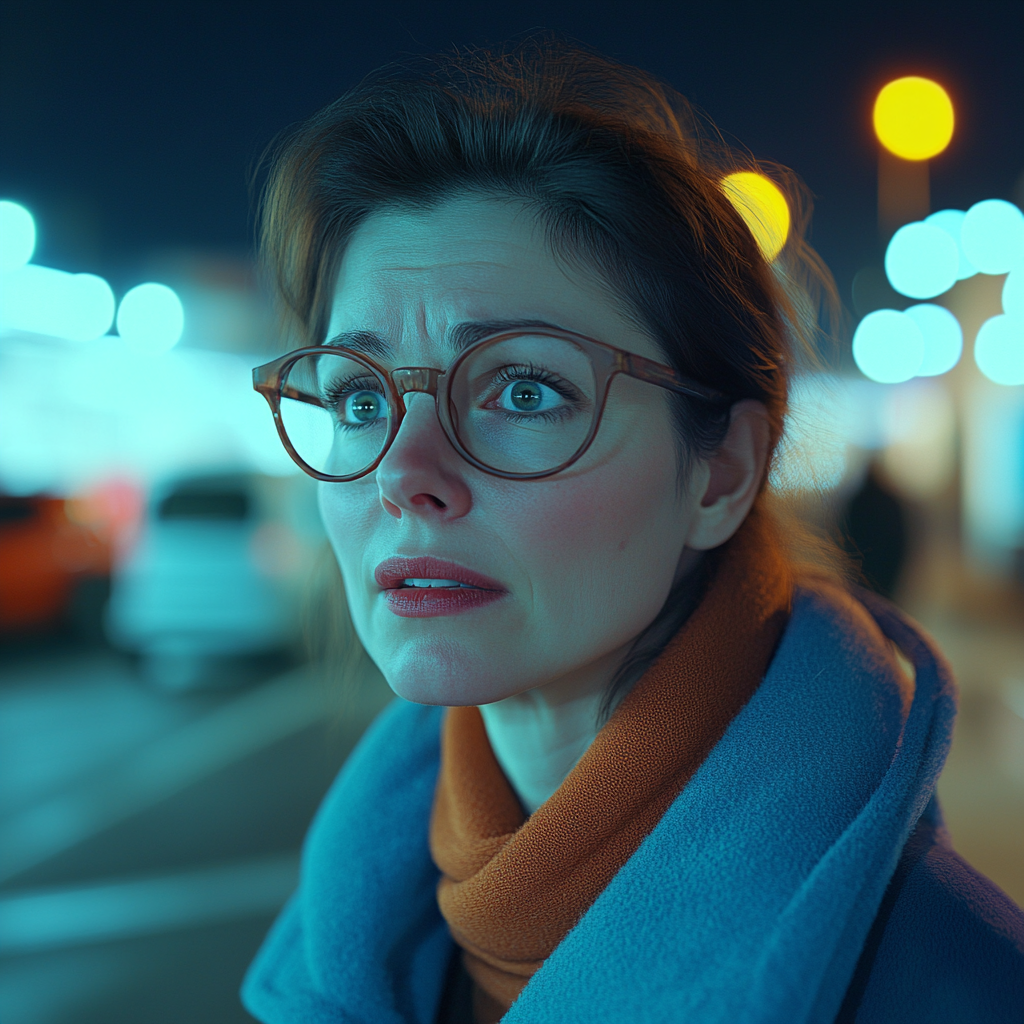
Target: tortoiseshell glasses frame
607, 361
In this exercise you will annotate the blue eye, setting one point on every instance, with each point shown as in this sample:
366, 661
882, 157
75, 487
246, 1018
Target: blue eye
361, 407
526, 396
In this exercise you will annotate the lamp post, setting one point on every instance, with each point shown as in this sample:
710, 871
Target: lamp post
913, 120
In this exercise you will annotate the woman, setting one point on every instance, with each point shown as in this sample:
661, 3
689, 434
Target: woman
644, 768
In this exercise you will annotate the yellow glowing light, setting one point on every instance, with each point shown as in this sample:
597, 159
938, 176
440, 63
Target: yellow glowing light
914, 118
761, 204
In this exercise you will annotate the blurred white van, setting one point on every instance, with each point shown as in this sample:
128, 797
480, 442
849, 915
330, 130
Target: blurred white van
194, 593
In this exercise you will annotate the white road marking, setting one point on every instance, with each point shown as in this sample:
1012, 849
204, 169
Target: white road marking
50, 918
169, 764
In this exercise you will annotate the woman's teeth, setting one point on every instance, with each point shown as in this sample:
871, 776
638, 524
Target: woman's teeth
436, 583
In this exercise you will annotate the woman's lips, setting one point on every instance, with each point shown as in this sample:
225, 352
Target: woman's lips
422, 587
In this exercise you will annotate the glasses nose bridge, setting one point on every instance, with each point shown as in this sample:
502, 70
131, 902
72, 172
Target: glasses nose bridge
408, 379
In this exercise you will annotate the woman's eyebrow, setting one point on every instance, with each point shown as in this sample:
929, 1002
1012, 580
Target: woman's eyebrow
460, 336
469, 332
361, 341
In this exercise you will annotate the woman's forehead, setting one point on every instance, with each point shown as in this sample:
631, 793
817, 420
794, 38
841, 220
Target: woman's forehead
411, 275
455, 234
464, 259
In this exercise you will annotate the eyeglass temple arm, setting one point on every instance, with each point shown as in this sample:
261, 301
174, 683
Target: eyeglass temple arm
262, 382
287, 391
654, 373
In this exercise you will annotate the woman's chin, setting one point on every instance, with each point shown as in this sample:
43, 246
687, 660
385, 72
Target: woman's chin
428, 688
450, 674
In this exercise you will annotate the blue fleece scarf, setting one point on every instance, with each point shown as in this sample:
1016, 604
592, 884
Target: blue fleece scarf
749, 902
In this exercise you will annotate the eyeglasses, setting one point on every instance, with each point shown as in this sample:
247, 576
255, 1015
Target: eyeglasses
521, 405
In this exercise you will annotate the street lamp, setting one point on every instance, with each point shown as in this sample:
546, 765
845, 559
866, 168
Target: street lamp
913, 120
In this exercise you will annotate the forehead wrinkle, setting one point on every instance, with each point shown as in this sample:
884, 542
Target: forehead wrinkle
421, 319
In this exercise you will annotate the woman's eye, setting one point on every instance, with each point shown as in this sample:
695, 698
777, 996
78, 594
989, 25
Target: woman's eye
528, 396
362, 407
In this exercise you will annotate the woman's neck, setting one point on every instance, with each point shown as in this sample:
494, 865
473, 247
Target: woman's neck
539, 735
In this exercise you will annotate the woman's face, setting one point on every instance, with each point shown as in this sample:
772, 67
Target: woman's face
574, 566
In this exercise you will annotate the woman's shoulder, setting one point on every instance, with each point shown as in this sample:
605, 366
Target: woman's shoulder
401, 744
946, 945
365, 913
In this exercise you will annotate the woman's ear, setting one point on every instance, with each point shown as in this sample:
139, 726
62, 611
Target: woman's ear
728, 482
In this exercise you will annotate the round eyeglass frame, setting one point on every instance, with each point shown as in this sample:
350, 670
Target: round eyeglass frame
607, 362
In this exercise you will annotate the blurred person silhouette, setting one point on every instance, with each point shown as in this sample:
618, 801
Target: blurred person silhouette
875, 528
649, 760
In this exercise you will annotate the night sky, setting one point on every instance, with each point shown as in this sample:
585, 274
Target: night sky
131, 129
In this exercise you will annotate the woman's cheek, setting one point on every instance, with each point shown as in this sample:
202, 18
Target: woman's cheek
599, 512
348, 516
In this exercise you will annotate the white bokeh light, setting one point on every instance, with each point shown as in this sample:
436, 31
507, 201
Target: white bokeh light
993, 236
922, 260
943, 338
41, 300
951, 221
888, 346
73, 415
90, 307
17, 236
151, 317
999, 349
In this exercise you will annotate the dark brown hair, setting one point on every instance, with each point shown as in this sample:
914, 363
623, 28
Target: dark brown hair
623, 175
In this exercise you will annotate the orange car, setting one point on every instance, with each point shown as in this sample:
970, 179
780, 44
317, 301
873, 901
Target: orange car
54, 567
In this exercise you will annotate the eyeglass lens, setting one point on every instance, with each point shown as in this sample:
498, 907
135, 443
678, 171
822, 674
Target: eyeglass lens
523, 404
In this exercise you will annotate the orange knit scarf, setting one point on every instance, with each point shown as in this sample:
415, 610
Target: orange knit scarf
512, 890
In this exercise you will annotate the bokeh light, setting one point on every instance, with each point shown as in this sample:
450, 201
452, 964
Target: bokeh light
75, 414
951, 222
763, 207
1013, 293
943, 338
913, 118
993, 236
888, 346
999, 349
17, 235
151, 316
90, 307
41, 300
922, 260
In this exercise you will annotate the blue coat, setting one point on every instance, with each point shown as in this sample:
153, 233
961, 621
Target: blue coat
803, 874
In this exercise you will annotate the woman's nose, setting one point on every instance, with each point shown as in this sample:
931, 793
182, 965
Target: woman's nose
422, 474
